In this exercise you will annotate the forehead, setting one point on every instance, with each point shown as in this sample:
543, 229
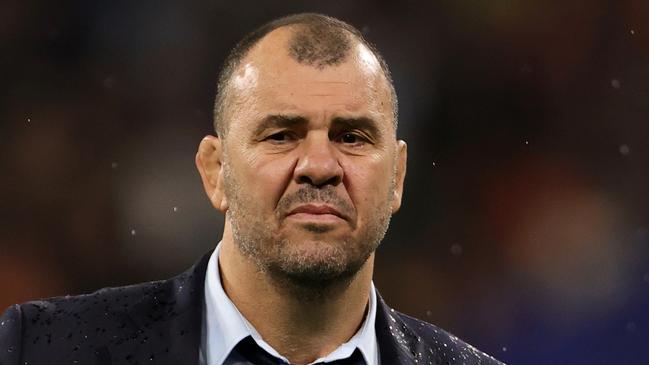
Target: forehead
269, 80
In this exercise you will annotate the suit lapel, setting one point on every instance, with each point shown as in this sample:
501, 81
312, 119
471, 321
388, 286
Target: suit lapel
398, 344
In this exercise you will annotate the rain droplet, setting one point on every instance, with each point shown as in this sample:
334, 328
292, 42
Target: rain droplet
504, 349
434, 163
113, 165
631, 326
624, 149
527, 142
175, 209
456, 249
429, 313
29, 120
632, 32
615, 83
109, 82
132, 232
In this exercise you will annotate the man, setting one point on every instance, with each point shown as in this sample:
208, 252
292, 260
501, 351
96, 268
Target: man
307, 169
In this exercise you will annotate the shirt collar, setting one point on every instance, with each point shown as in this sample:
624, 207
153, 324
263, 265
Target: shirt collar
224, 326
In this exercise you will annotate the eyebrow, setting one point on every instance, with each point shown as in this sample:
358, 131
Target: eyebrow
280, 121
362, 123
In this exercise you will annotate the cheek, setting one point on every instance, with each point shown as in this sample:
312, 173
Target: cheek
267, 180
367, 183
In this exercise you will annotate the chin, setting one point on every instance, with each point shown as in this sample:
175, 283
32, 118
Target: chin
317, 263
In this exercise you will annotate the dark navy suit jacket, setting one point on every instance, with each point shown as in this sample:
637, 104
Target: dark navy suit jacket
160, 323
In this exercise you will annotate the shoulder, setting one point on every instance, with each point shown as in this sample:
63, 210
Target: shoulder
120, 322
81, 308
77, 317
448, 348
59, 328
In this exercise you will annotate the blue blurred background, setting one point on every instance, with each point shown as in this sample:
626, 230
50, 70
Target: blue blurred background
524, 228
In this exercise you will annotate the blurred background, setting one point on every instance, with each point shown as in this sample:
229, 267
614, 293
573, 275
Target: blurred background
525, 223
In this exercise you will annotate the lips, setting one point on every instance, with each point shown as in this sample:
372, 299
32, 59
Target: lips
317, 210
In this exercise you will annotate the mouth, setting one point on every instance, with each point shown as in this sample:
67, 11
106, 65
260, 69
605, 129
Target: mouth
316, 213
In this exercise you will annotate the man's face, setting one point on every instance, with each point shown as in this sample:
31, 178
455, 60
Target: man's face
312, 168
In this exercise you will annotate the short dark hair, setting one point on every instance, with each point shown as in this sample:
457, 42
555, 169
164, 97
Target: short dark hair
319, 41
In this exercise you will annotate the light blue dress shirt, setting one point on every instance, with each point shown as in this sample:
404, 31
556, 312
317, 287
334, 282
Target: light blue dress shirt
224, 327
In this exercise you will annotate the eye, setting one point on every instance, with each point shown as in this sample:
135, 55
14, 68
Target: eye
283, 136
350, 138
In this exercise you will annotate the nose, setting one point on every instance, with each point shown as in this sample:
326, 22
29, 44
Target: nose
318, 164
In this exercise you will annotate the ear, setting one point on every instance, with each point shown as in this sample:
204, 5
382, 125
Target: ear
210, 167
400, 174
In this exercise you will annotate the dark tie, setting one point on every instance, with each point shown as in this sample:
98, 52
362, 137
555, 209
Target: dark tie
247, 352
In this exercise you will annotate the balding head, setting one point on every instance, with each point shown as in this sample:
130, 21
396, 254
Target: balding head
319, 44
310, 39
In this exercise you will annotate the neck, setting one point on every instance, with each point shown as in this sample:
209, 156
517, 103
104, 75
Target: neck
301, 330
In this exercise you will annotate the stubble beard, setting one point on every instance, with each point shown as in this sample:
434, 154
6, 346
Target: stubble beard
303, 272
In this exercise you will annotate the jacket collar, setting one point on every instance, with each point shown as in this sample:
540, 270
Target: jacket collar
174, 307
398, 343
